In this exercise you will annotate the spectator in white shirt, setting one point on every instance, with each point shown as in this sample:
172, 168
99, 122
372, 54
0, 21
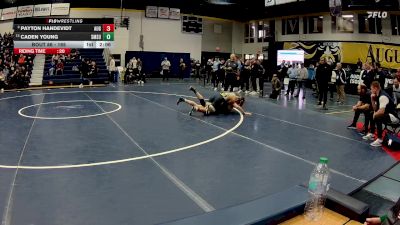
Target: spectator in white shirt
112, 69
165, 65
303, 76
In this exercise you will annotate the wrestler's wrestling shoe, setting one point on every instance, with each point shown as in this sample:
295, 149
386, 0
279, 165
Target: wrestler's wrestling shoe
180, 100
191, 111
192, 89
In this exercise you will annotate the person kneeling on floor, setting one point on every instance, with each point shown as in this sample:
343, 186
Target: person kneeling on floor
384, 110
363, 106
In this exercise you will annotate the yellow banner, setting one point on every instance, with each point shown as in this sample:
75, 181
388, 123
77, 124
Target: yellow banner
387, 55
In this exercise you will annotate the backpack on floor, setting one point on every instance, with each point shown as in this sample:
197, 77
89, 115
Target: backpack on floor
392, 141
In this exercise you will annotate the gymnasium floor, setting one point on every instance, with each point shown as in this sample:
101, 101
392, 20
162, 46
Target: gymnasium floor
129, 155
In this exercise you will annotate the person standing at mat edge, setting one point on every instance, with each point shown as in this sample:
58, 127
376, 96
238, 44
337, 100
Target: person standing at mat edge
112, 69
323, 75
340, 83
231, 68
165, 65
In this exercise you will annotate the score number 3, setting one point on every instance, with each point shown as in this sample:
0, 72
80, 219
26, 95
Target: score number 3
108, 27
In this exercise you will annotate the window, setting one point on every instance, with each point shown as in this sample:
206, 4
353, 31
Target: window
343, 24
249, 56
265, 30
313, 24
369, 25
290, 26
395, 24
250, 32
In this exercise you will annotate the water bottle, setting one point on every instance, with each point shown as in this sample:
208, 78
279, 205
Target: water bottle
318, 187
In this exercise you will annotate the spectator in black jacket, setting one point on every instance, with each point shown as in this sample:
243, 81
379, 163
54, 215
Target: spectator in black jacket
323, 76
368, 75
381, 76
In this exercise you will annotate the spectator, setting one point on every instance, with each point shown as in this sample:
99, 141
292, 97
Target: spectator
380, 76
182, 68
231, 69
165, 65
74, 54
93, 70
282, 71
276, 87
139, 65
340, 83
21, 60
209, 69
2, 81
261, 74
293, 74
245, 77
396, 91
135, 66
303, 76
215, 68
84, 67
391, 218
112, 69
323, 75
142, 76
197, 67
384, 110
52, 68
398, 73
55, 58
59, 67
256, 73
368, 75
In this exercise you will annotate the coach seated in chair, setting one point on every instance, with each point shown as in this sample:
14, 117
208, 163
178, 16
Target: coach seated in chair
384, 110
363, 106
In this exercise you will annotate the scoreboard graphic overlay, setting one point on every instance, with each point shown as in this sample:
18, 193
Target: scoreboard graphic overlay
60, 35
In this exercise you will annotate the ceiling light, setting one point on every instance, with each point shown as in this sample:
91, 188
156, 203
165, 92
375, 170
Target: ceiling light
220, 2
347, 16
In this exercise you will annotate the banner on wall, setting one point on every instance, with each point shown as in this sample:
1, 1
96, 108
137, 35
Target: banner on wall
9, 13
42, 10
163, 12
349, 52
151, 11
174, 14
25, 11
387, 55
269, 3
60, 9
313, 51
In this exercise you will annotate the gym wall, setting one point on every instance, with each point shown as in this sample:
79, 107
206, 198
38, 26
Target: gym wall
327, 35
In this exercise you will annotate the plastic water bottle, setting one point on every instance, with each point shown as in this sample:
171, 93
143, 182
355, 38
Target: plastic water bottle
318, 187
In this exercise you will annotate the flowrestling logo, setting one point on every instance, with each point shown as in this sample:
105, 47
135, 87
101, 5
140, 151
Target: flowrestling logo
377, 14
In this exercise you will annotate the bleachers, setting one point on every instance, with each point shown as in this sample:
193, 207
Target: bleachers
70, 76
